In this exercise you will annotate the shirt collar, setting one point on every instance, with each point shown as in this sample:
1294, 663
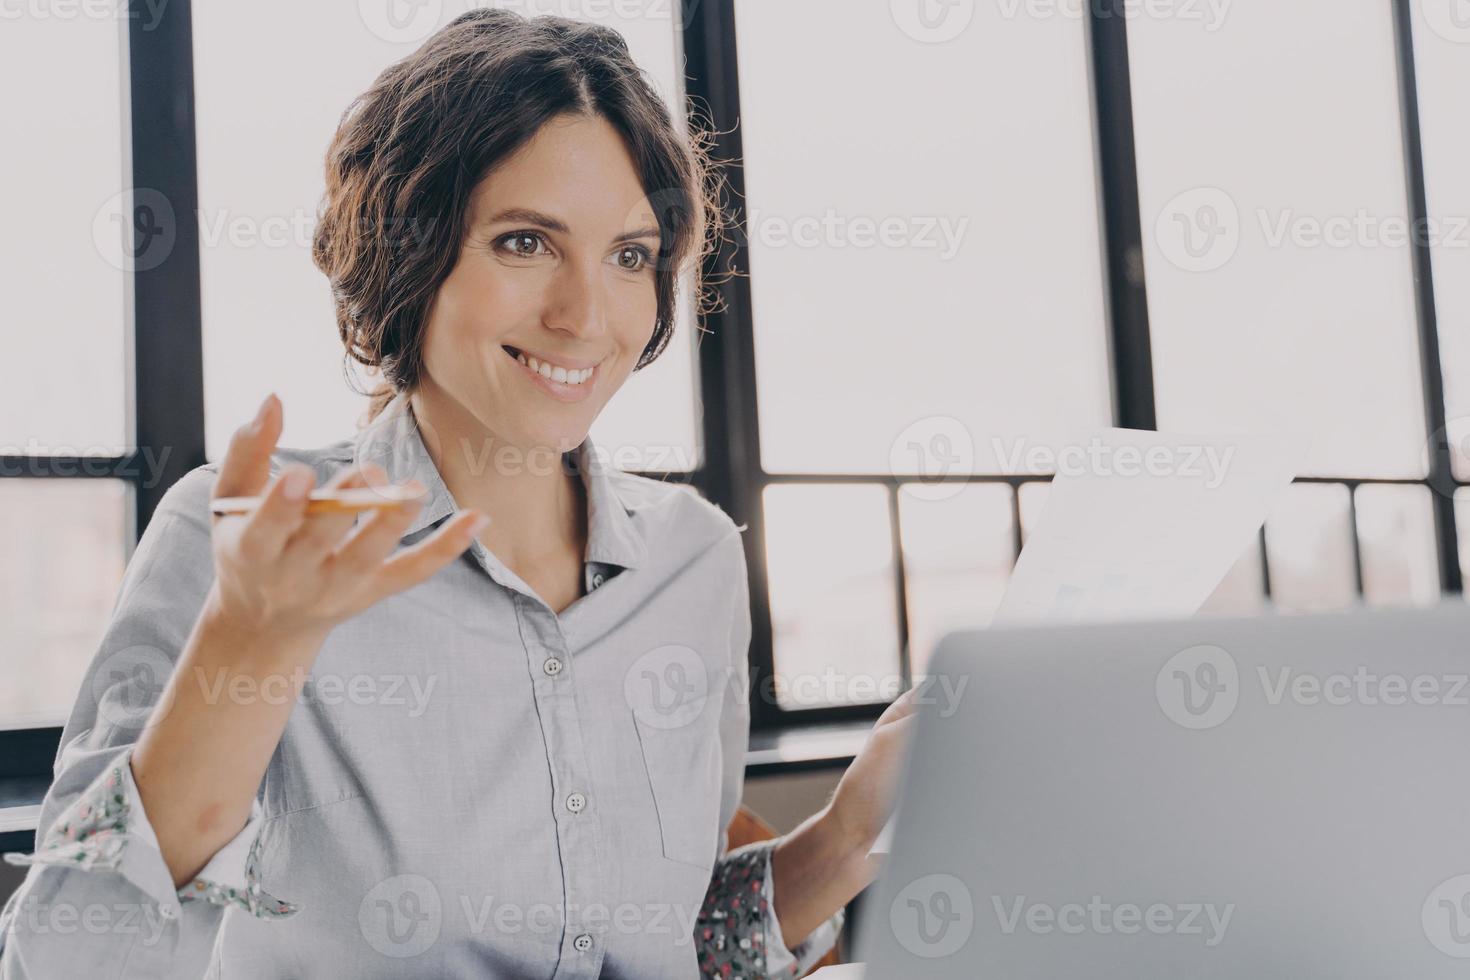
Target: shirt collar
394, 440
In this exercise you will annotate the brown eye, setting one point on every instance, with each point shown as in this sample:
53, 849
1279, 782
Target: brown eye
522, 243
632, 259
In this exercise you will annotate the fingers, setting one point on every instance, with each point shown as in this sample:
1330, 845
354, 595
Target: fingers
373, 540
418, 563
903, 724
902, 707
900, 735
279, 516
245, 470
247, 462
895, 733
319, 534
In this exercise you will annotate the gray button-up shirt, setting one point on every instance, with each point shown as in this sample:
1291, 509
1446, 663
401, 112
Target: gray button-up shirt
470, 785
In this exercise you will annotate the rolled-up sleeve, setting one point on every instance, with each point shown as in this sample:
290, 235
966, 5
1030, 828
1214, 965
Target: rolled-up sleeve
737, 931
99, 899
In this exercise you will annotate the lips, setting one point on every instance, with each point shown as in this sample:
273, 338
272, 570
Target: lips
562, 391
568, 364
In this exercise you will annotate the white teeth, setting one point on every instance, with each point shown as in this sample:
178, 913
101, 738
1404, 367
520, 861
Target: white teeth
574, 377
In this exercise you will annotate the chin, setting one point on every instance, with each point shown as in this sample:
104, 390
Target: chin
563, 439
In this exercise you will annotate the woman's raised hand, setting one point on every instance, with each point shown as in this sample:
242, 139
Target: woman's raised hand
282, 571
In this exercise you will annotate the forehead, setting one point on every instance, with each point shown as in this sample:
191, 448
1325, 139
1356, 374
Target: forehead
575, 168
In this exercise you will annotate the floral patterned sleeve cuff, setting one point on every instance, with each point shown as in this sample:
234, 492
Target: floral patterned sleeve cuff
107, 828
737, 932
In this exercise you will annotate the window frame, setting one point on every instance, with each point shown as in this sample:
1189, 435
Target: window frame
166, 399
737, 479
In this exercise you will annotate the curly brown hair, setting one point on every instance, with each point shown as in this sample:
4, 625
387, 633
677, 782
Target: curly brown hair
409, 152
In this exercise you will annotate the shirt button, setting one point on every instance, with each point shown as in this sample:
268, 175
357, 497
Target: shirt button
168, 911
598, 579
552, 666
583, 942
576, 802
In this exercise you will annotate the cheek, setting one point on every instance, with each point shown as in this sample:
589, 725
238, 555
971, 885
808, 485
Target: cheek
635, 310
477, 306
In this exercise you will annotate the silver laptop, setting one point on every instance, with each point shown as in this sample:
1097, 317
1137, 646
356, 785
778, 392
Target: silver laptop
1283, 796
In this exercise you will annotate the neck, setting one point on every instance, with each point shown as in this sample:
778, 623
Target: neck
537, 506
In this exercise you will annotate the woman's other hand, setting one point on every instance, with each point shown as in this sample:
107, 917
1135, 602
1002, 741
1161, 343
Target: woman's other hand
865, 796
281, 571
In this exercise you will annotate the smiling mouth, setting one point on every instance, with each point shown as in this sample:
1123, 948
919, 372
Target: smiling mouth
573, 377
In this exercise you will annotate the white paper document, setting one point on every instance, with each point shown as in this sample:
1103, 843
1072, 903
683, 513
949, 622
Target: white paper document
1142, 525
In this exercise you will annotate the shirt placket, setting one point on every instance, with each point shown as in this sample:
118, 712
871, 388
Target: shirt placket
574, 805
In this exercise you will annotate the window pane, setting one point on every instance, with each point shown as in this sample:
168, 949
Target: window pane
262, 136
1396, 539
1442, 64
907, 242
958, 551
70, 233
829, 561
1273, 202
71, 539
1310, 548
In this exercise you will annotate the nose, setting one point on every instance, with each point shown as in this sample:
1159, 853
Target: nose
575, 303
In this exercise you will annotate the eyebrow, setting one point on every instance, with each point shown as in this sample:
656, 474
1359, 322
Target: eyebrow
531, 216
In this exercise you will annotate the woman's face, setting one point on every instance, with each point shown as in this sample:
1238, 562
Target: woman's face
557, 266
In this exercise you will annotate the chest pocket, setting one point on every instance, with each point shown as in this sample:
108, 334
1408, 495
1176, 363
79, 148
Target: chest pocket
684, 766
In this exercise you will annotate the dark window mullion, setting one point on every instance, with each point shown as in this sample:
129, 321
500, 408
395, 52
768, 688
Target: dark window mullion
1017, 535
900, 585
1130, 348
167, 342
1441, 477
732, 476
1265, 559
1352, 492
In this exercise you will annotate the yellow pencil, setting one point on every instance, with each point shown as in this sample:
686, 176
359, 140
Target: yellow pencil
348, 501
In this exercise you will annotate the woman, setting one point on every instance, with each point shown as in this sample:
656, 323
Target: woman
391, 758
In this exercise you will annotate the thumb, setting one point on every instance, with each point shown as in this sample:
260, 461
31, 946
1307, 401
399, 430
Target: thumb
247, 464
